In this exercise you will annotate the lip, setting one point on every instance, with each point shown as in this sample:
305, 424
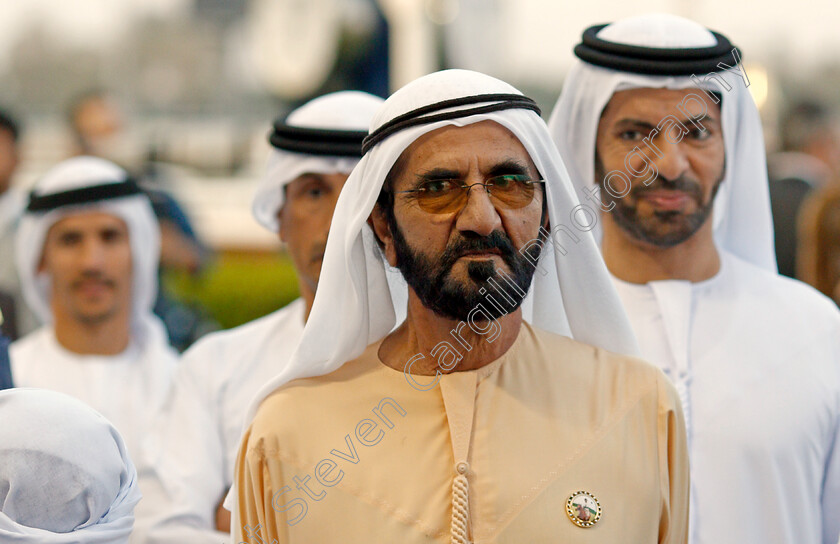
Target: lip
482, 253
667, 200
93, 287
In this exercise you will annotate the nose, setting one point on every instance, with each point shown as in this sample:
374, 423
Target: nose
674, 161
92, 253
479, 214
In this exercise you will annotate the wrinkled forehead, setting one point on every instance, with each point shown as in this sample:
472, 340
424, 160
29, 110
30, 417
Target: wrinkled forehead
654, 104
455, 148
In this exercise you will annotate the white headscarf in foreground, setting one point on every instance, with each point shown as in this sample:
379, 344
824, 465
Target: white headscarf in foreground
344, 110
359, 297
65, 476
743, 223
135, 210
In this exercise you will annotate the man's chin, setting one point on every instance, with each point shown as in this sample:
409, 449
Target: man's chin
469, 271
95, 316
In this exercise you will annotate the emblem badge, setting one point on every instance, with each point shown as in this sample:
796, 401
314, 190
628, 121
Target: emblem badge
583, 509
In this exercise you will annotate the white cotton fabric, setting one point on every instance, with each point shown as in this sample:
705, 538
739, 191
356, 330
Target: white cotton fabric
188, 461
359, 298
136, 211
344, 110
65, 475
126, 387
754, 357
742, 219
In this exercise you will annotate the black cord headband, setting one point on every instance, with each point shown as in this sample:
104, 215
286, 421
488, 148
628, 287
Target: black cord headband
317, 141
655, 61
420, 117
82, 195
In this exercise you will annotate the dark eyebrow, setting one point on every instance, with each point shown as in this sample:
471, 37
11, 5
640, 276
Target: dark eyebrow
638, 123
435, 174
311, 176
508, 167
699, 120
635, 123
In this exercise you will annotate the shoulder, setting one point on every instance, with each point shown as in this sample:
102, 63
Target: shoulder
233, 347
564, 354
322, 402
153, 343
598, 375
34, 342
788, 298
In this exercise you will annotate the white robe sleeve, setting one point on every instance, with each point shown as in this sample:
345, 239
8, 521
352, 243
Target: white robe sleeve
831, 483
182, 472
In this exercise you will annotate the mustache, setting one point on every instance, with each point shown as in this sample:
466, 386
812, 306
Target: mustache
682, 183
465, 244
93, 276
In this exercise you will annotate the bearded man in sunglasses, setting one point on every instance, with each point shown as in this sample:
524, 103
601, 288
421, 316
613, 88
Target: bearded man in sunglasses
505, 407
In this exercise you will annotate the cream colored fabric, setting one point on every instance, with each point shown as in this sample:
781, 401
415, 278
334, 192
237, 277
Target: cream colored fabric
532, 428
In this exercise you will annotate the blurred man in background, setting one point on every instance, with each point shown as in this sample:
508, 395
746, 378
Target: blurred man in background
99, 130
19, 320
188, 467
87, 255
810, 160
676, 164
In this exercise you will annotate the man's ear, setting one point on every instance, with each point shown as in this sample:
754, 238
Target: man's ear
382, 232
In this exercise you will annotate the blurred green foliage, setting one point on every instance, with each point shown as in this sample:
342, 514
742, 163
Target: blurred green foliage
238, 287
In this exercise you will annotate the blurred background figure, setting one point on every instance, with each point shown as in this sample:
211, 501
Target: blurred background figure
818, 256
187, 465
65, 473
5, 366
18, 319
809, 160
87, 255
98, 130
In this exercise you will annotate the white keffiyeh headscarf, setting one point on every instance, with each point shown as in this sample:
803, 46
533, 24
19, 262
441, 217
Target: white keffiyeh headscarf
344, 110
65, 475
360, 298
135, 210
742, 219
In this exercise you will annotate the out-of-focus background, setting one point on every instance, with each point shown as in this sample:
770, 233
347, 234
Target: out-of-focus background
183, 92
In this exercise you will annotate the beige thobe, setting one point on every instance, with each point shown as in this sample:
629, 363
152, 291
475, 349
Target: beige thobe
359, 455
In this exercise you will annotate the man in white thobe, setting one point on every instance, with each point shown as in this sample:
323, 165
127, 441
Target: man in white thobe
188, 468
662, 135
87, 251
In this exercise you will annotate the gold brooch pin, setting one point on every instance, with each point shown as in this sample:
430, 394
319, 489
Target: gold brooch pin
583, 509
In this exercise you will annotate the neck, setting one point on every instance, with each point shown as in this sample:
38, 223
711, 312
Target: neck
423, 330
633, 261
108, 337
